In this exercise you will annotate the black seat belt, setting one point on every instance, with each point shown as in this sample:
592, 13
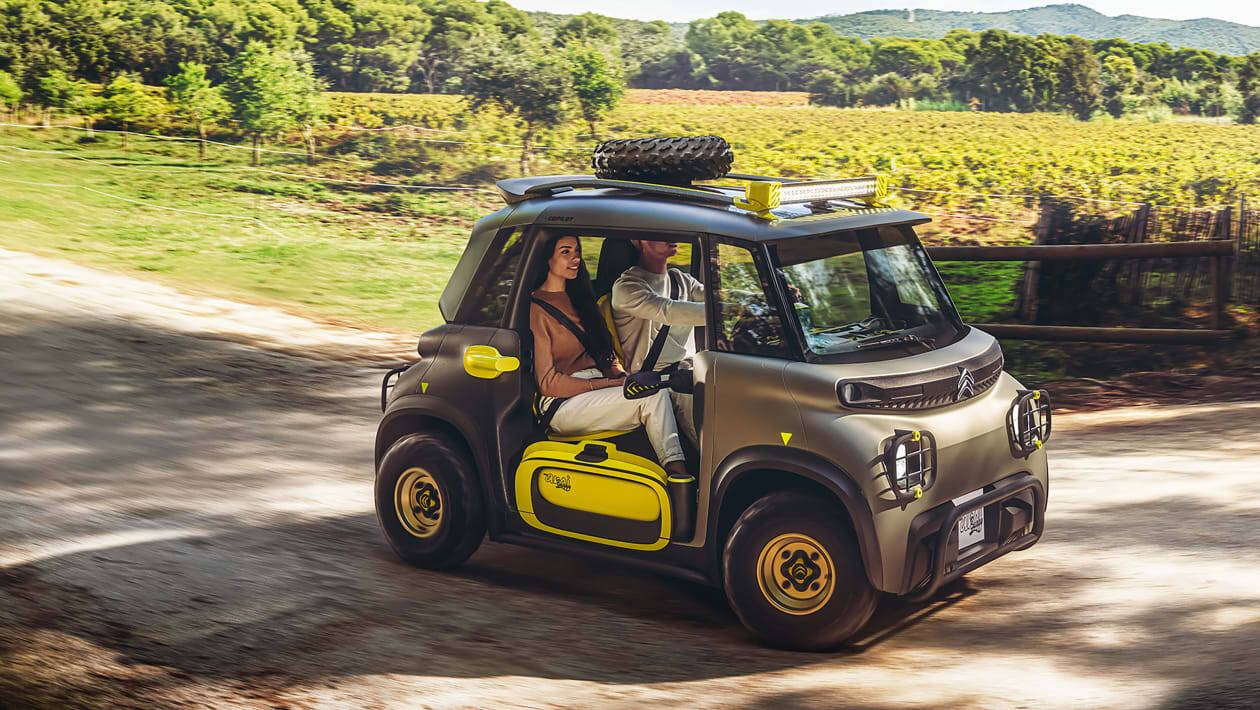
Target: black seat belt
658, 343
544, 418
563, 319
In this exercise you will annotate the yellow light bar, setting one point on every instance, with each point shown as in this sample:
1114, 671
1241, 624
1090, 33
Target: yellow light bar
868, 188
762, 196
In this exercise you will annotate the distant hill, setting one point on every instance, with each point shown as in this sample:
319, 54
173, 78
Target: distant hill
1067, 19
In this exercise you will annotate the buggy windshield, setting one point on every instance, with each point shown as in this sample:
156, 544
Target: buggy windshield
865, 290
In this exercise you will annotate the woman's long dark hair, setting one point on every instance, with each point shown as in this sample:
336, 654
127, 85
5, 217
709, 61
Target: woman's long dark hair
597, 342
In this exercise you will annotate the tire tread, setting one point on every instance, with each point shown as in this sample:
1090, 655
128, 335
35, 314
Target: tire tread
673, 160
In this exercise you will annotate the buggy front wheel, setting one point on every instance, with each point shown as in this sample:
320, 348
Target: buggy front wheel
793, 573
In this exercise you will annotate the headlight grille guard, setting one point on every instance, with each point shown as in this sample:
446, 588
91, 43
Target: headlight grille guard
1028, 422
920, 449
388, 382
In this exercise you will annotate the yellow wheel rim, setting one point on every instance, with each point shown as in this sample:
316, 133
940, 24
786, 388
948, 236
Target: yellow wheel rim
796, 574
418, 502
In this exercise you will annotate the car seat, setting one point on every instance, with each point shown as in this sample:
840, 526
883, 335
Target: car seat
615, 257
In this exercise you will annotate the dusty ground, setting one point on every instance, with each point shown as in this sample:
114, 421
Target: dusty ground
186, 519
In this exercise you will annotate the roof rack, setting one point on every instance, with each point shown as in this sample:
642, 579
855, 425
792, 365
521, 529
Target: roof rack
520, 189
761, 195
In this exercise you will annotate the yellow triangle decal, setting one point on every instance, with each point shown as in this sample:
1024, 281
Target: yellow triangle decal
787, 436
424, 387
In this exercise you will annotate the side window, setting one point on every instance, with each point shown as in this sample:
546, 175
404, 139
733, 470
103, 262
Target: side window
748, 321
591, 247
494, 284
604, 269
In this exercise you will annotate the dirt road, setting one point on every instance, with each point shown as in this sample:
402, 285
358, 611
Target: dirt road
186, 520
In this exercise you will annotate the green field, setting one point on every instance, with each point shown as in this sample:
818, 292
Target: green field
379, 257
1184, 162
372, 257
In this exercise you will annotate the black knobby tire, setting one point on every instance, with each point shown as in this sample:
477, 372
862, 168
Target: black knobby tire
430, 463
674, 161
795, 515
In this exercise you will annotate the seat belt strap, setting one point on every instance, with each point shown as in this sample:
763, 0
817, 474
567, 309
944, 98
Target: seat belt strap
563, 319
545, 415
658, 343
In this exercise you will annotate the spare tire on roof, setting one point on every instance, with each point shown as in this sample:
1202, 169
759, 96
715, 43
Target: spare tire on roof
671, 161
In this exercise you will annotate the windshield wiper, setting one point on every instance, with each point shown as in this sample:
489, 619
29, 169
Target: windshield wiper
896, 339
862, 326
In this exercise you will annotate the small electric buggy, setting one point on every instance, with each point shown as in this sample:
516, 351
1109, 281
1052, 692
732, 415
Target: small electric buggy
854, 435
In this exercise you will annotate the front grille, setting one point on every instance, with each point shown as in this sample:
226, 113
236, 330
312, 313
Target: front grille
925, 390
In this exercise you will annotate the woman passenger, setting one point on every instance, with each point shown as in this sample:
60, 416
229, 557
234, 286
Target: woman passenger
583, 372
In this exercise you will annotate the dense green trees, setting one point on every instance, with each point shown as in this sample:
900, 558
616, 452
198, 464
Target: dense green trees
192, 97
10, 94
1077, 88
125, 101
1249, 87
526, 79
597, 83
57, 90
426, 45
272, 91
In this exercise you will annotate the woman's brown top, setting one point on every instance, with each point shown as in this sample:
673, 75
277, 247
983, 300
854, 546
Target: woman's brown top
558, 353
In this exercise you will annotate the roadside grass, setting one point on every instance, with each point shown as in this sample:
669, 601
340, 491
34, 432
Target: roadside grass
348, 253
984, 292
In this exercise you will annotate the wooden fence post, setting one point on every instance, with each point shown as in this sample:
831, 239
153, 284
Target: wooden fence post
1218, 282
1032, 269
1138, 235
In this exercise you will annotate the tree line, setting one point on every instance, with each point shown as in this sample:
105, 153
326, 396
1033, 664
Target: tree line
263, 63
270, 91
535, 66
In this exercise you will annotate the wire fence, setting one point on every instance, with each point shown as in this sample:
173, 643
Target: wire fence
1246, 271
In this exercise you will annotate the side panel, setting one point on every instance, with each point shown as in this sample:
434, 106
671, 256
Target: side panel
590, 491
471, 405
744, 404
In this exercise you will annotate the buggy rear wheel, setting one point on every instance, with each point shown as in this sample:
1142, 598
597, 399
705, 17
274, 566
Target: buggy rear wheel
428, 501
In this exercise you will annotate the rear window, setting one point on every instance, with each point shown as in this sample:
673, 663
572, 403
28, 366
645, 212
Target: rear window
487, 296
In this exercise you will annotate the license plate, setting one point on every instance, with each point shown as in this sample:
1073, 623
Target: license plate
970, 525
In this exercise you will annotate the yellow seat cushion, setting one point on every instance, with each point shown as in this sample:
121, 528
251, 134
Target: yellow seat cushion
595, 435
605, 310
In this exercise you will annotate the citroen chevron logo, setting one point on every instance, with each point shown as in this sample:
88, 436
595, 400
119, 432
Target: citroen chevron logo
966, 385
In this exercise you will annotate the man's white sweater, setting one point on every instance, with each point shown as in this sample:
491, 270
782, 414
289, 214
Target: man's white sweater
641, 305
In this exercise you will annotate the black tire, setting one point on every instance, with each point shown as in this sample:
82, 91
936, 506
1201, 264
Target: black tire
673, 161
429, 467
769, 527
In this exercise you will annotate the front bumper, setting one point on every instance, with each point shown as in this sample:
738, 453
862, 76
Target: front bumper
1015, 514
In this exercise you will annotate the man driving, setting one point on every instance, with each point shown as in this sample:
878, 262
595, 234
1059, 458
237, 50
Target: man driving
642, 304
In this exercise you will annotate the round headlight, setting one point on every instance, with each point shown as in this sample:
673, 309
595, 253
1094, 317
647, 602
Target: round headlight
899, 456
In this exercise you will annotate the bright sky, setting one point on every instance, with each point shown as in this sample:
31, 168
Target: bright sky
1246, 12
